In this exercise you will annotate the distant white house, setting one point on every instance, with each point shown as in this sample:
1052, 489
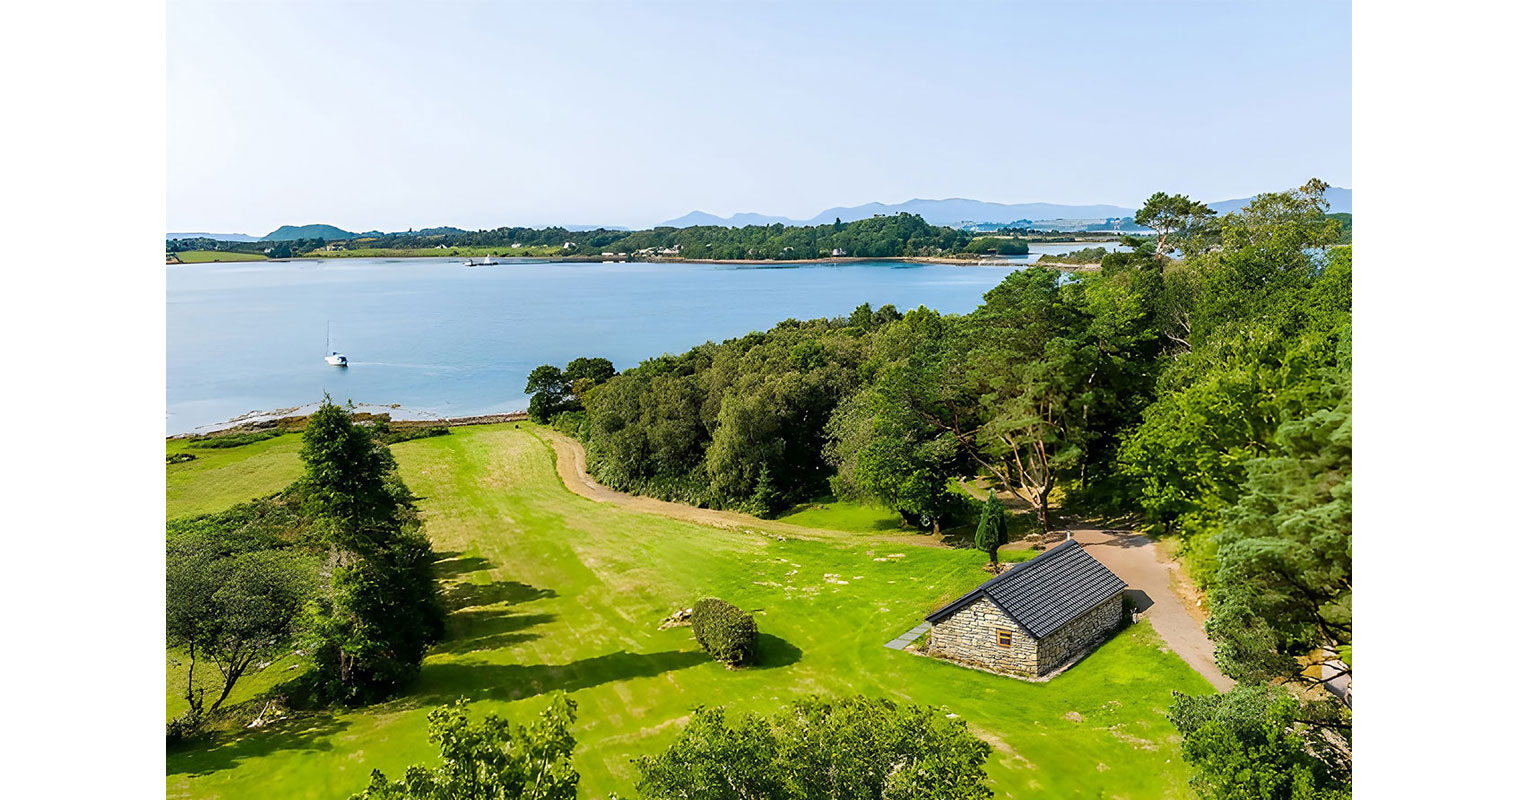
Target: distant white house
836, 252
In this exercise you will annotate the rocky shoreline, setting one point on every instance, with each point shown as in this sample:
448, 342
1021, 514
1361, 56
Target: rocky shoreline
291, 419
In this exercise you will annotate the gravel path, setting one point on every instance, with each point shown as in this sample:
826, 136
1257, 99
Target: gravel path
1134, 557
570, 462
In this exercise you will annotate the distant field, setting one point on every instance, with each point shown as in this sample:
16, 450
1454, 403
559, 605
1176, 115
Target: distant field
552, 592
208, 256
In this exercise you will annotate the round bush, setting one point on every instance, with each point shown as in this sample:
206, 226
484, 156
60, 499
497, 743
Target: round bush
724, 631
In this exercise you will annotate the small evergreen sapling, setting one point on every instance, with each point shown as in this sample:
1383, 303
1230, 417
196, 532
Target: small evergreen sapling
992, 529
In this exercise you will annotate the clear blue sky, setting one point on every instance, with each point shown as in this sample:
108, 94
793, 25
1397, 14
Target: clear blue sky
480, 114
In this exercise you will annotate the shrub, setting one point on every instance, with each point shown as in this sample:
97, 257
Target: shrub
570, 423
384, 433
178, 458
183, 728
724, 631
234, 439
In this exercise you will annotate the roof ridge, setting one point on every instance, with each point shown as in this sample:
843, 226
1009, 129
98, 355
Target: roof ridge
1048, 573
1024, 566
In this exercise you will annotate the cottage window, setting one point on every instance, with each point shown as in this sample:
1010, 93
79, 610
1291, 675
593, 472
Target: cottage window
1005, 637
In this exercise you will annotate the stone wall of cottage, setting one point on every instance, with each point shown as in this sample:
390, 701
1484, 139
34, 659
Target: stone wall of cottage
1081, 635
970, 636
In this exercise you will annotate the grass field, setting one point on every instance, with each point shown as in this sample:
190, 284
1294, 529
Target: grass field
843, 515
555, 592
208, 256
219, 478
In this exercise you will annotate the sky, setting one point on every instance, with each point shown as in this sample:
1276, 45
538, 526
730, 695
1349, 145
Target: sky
397, 115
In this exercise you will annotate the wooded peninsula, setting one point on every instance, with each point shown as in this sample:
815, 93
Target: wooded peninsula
895, 236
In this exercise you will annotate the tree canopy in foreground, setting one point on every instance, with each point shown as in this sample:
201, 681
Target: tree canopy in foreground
492, 759
820, 749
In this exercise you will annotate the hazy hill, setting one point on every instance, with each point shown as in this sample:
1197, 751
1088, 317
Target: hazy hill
220, 237
1340, 202
287, 233
697, 218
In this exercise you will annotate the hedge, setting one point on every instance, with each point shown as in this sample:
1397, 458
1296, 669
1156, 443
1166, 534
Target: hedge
724, 631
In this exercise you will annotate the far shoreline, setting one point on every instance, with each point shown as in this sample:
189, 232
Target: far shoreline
932, 260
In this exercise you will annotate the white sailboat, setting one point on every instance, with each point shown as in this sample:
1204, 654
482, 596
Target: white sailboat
333, 357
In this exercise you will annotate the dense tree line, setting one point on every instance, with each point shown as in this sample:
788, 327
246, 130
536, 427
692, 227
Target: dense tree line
283, 249
896, 235
742, 424
336, 564
878, 237
1204, 383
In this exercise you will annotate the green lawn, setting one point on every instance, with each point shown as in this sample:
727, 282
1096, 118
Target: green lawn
219, 478
556, 592
843, 515
208, 256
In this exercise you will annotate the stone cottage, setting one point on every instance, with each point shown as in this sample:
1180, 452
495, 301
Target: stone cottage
1036, 617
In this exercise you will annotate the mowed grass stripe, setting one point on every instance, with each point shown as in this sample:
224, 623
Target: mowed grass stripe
554, 591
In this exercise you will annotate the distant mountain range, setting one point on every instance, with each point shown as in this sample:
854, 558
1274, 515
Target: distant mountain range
958, 211
221, 237
1340, 202
954, 212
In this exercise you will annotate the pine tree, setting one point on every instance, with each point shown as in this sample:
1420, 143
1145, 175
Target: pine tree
992, 529
372, 625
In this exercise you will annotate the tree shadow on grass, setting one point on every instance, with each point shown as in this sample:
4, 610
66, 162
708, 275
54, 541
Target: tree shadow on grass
773, 651
444, 683
308, 733
465, 595
488, 629
452, 564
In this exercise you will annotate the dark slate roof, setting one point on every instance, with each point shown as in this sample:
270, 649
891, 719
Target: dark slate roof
1045, 592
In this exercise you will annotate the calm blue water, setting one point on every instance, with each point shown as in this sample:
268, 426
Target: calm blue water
442, 339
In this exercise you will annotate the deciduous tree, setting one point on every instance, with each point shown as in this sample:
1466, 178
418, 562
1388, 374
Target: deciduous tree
1251, 743
493, 759
233, 607
1173, 214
